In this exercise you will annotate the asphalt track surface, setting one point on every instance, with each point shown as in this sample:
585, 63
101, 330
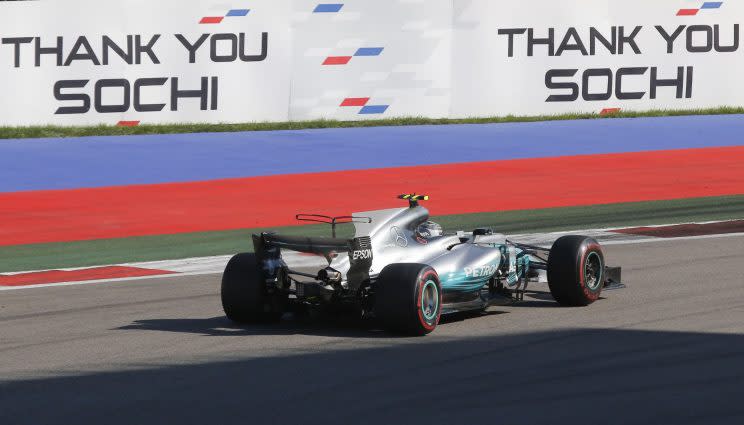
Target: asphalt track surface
669, 349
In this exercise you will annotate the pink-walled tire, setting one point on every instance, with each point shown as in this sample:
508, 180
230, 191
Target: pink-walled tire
408, 298
576, 270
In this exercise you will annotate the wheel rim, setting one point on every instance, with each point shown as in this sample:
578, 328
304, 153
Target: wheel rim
593, 271
430, 300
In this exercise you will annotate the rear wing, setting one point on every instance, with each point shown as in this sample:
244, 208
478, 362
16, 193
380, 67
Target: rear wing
319, 246
268, 247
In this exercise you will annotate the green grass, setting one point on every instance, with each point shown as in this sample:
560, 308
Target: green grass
149, 248
104, 130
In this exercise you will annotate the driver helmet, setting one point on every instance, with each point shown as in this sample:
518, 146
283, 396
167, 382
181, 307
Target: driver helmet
428, 230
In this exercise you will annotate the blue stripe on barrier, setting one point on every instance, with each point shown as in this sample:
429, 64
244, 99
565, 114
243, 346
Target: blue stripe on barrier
369, 51
328, 8
712, 5
238, 12
374, 109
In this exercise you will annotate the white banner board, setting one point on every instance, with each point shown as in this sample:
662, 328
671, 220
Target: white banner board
547, 57
78, 62
371, 59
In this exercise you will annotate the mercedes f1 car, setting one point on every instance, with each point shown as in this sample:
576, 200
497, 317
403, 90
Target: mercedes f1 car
404, 271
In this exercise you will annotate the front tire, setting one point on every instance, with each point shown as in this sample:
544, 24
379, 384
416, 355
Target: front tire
408, 298
576, 270
243, 292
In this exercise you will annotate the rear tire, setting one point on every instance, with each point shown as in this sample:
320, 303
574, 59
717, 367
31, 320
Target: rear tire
408, 298
575, 270
243, 292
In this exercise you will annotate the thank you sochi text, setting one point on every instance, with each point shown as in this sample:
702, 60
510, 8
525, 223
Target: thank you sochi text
568, 84
82, 95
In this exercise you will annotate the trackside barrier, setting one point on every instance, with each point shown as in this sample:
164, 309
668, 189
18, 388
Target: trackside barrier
77, 62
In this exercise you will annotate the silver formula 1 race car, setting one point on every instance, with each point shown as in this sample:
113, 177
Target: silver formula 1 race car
403, 270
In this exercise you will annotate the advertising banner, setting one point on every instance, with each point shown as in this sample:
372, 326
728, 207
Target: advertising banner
80, 62
547, 57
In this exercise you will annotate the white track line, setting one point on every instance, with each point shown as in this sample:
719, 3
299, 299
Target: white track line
216, 264
183, 267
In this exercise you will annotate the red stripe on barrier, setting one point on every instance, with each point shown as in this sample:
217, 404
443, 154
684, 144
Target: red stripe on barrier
687, 12
355, 101
337, 60
211, 19
95, 273
114, 212
127, 123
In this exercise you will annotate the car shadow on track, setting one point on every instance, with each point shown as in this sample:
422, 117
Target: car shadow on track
541, 299
562, 376
534, 298
326, 325
222, 326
